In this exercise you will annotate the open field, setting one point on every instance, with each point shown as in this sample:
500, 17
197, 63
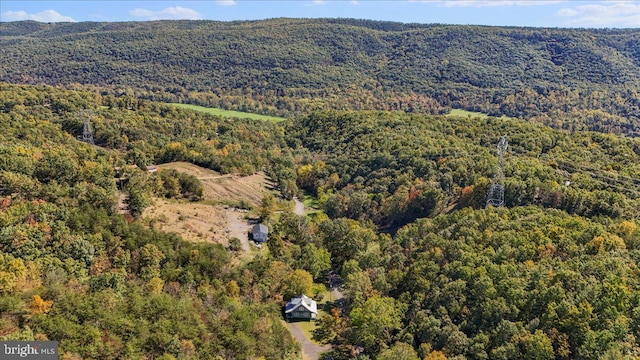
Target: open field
198, 222
217, 219
194, 222
465, 113
228, 113
228, 188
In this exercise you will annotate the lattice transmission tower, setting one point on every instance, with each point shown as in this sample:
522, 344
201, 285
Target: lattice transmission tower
495, 197
87, 130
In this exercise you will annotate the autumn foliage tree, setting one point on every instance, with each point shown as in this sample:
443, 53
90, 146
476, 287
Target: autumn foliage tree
39, 305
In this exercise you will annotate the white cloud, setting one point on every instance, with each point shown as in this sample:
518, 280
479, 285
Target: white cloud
605, 14
315, 2
355, 2
568, 12
225, 2
170, 13
496, 3
43, 16
489, 3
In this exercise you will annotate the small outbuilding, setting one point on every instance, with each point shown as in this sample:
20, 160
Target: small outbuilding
301, 308
260, 232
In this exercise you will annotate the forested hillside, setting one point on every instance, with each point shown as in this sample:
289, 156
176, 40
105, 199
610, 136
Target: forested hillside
551, 276
105, 286
427, 272
391, 168
398, 189
519, 283
573, 79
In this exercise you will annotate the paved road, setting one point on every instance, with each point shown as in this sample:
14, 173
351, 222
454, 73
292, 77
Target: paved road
310, 350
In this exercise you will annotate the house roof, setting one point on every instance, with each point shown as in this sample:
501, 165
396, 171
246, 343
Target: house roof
301, 301
260, 229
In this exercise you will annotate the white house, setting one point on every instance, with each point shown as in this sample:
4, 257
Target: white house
301, 307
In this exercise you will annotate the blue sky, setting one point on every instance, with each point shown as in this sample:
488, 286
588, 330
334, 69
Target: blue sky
538, 13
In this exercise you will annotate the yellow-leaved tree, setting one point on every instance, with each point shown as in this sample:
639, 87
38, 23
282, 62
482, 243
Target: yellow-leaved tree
39, 305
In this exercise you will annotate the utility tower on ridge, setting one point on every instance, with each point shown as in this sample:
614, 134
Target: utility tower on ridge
495, 197
87, 131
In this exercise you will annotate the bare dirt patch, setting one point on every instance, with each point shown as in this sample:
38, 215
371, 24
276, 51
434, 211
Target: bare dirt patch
123, 207
238, 226
212, 220
227, 188
194, 222
298, 207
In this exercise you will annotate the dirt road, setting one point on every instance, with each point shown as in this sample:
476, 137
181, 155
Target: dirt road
237, 226
335, 290
299, 207
123, 207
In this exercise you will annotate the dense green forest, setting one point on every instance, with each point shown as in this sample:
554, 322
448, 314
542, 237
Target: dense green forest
565, 78
399, 189
391, 167
427, 272
518, 283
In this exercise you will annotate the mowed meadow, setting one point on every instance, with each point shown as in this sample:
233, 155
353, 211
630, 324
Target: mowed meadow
228, 113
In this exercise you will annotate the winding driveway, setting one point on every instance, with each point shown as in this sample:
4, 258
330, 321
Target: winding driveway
310, 351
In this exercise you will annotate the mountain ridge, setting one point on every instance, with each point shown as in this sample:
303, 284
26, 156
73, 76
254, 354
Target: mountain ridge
269, 65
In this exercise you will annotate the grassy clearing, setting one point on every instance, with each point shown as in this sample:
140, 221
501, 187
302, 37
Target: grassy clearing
307, 328
310, 202
473, 114
227, 189
312, 207
314, 213
228, 113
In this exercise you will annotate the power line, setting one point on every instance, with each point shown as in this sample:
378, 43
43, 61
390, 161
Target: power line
614, 176
495, 197
87, 129
596, 176
570, 168
87, 132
